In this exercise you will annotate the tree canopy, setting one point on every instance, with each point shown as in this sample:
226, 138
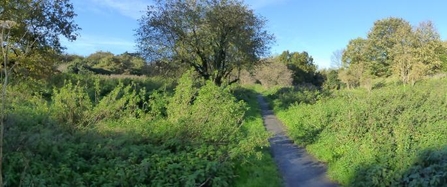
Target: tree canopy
301, 64
393, 48
39, 24
215, 37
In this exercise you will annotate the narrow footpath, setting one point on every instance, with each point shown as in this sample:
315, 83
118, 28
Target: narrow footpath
298, 168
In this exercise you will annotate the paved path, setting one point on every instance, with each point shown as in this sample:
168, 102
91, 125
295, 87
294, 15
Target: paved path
297, 167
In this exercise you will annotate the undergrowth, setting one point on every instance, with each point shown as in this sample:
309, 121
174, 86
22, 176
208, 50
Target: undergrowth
259, 170
392, 136
108, 132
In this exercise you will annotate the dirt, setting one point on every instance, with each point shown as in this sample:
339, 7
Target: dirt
297, 167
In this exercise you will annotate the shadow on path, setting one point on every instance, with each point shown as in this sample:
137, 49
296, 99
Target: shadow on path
297, 167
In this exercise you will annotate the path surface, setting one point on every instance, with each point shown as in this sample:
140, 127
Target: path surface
297, 167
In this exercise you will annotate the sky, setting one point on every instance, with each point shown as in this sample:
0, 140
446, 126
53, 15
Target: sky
318, 27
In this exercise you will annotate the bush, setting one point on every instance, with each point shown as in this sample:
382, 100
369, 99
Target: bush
268, 74
85, 136
392, 136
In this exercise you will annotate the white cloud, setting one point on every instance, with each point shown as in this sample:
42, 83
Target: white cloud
130, 8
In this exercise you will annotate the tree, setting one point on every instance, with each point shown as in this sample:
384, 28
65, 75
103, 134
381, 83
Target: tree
416, 52
429, 43
352, 76
39, 25
381, 39
5, 27
443, 57
94, 59
337, 59
132, 63
215, 37
273, 73
331, 80
403, 53
30, 28
301, 64
355, 52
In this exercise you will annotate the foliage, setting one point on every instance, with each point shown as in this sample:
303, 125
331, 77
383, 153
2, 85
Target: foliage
383, 36
107, 63
257, 170
93, 131
302, 66
285, 97
271, 73
331, 79
392, 136
286, 69
36, 35
393, 48
71, 104
214, 37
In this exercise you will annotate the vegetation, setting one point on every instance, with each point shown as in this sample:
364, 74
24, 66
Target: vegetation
213, 37
34, 40
83, 135
269, 73
302, 65
287, 69
30, 32
392, 136
106, 63
393, 48
143, 119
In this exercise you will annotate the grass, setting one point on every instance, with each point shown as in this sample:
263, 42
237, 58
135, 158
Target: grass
261, 170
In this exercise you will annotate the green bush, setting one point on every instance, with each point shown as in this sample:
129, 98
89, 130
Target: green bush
129, 135
71, 104
382, 138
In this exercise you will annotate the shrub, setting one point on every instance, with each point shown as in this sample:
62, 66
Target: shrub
392, 136
85, 136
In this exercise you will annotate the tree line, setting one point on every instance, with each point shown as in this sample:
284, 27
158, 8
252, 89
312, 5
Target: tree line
392, 48
106, 63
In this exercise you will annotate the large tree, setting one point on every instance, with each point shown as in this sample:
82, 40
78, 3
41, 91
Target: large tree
355, 52
39, 25
393, 47
416, 52
215, 37
381, 39
302, 65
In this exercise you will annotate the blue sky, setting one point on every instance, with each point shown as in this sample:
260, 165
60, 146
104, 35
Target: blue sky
316, 26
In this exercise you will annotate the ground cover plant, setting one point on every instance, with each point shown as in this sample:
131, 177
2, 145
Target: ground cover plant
92, 131
391, 136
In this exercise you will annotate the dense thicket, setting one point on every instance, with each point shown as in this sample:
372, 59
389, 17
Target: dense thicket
392, 136
119, 132
105, 63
